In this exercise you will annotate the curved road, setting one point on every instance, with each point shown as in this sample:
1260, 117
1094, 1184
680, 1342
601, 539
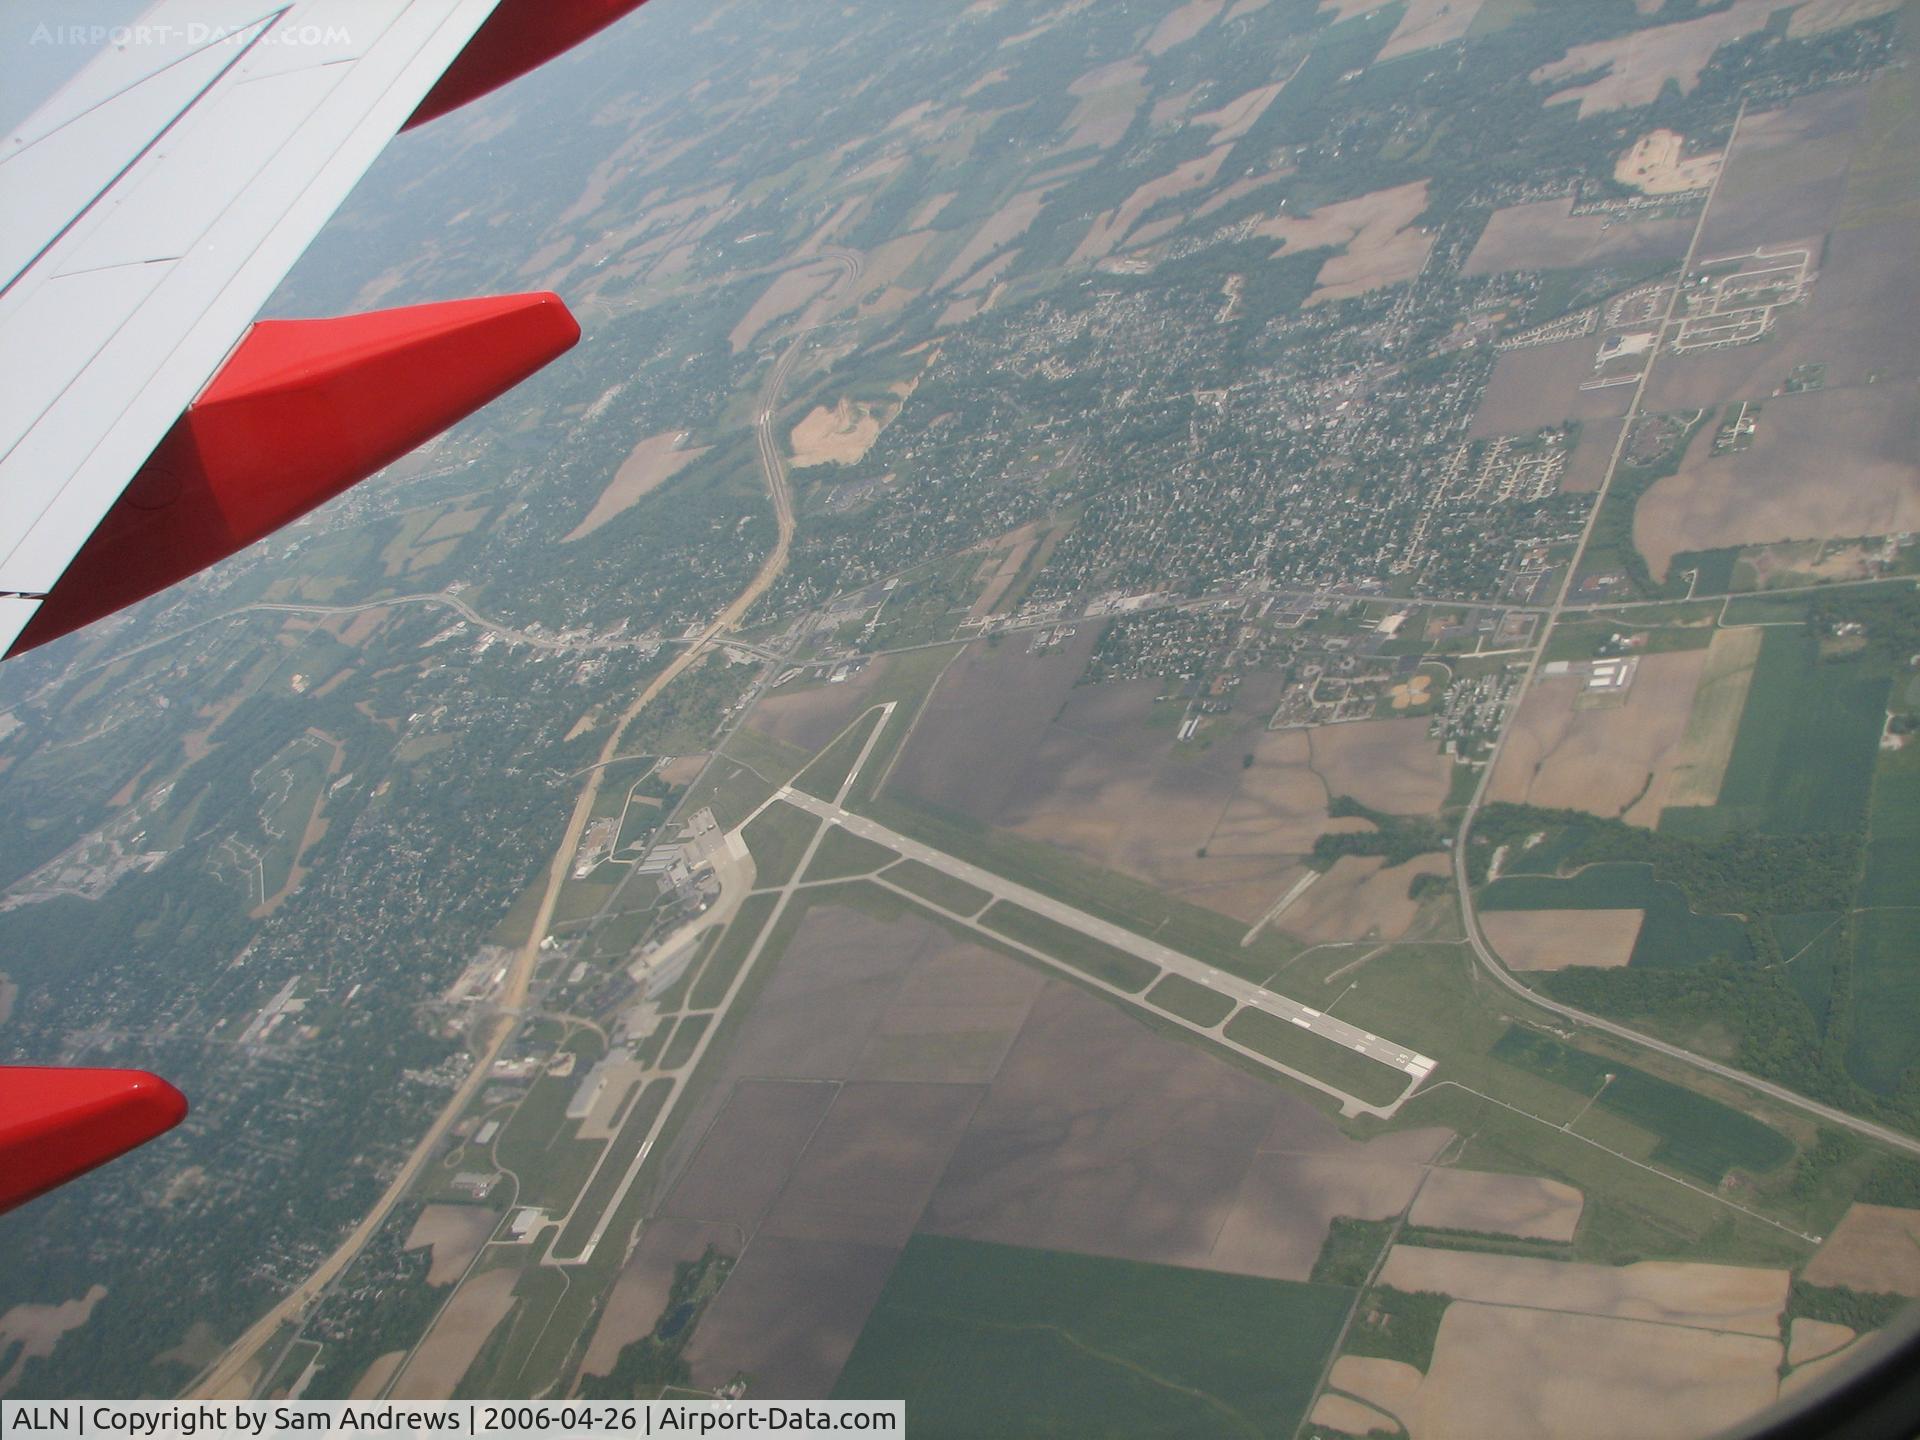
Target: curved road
1483, 952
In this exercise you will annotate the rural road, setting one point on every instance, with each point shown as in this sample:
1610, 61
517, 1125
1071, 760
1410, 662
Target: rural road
1476, 937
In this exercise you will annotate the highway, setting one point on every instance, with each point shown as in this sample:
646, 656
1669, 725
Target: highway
1476, 936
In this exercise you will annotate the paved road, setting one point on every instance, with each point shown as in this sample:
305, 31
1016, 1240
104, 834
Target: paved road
1476, 937
1402, 1058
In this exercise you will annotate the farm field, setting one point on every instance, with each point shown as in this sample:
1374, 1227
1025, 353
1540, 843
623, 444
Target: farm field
1699, 1136
1825, 464
1616, 761
989, 1339
1667, 932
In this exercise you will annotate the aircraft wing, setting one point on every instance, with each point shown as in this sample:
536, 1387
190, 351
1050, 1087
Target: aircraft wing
148, 426
149, 209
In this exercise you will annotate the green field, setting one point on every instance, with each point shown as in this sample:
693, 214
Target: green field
776, 839
986, 1340
641, 1112
1698, 1136
711, 988
1318, 1056
842, 854
1671, 933
1804, 757
1067, 945
1180, 996
1886, 998
938, 886
1893, 831
824, 776
685, 1037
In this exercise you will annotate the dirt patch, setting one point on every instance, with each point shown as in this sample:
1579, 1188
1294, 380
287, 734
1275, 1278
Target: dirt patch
1110, 229
1524, 1372
648, 466
1614, 761
746, 1157
1657, 165
1713, 724
1103, 1137
1670, 1292
1640, 64
1524, 1205
871, 1163
1002, 228
639, 1296
1180, 26
1237, 116
788, 1315
1391, 765
836, 435
1375, 233
1824, 465
1874, 1247
1359, 899
38, 1328
1557, 939
376, 1375
788, 293
1592, 453
1428, 23
1547, 235
810, 715
1540, 385
1813, 1339
456, 1233
473, 1313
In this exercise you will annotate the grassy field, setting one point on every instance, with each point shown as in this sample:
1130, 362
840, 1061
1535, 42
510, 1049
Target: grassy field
1699, 1136
992, 1340
842, 854
1316, 1055
776, 840
1886, 999
1204, 934
685, 1037
633, 1130
1671, 933
1070, 947
538, 1145
1804, 757
938, 886
827, 772
1893, 831
711, 988
1180, 996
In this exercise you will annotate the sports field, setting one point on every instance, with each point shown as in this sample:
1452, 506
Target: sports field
984, 1339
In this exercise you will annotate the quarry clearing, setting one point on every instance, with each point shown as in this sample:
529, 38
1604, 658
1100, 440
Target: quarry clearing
1656, 165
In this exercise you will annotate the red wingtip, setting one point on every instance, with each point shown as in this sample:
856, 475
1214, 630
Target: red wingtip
519, 36
301, 410
56, 1124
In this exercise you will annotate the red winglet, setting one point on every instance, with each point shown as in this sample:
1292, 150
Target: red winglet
301, 410
56, 1124
518, 36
